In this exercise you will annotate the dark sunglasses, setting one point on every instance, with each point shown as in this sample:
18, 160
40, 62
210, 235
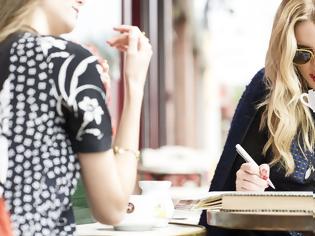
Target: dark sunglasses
302, 56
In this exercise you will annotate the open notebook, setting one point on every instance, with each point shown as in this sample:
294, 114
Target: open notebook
254, 202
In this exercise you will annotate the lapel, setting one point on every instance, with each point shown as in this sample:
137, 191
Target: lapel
242, 120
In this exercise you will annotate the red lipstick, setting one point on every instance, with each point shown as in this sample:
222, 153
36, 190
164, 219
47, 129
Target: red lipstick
312, 77
76, 10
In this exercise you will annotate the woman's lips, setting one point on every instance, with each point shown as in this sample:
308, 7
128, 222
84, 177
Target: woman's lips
76, 10
312, 77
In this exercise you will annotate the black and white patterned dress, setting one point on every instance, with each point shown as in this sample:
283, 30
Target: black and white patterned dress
52, 106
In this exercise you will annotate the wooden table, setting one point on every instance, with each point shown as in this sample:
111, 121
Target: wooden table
97, 229
253, 221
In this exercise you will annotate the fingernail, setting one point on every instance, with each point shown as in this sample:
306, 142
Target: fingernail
263, 172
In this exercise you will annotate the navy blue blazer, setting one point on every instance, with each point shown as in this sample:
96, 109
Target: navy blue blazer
242, 119
244, 115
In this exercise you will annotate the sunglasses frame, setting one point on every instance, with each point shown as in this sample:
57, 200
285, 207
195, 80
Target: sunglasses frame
309, 50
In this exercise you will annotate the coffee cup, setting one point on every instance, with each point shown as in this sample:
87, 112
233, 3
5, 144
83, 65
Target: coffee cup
139, 215
162, 200
308, 99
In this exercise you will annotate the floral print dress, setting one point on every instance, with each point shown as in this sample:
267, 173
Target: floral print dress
52, 106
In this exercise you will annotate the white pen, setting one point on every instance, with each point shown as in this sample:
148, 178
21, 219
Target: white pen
248, 158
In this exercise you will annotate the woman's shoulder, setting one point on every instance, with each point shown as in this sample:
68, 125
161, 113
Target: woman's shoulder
258, 81
50, 46
53, 44
256, 89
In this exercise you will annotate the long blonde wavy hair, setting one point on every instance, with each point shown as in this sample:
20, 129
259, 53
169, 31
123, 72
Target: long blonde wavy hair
285, 116
13, 14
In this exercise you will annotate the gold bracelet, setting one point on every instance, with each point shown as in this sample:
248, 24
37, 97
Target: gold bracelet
119, 150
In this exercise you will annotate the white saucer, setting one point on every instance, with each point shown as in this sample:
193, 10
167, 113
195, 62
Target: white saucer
136, 224
134, 227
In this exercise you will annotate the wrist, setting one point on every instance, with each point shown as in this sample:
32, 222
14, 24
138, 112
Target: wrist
134, 89
133, 153
135, 81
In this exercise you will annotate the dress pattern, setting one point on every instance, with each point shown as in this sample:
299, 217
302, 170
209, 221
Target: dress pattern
55, 108
304, 168
304, 164
4, 119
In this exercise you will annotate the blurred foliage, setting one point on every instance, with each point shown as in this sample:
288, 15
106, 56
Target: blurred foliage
81, 209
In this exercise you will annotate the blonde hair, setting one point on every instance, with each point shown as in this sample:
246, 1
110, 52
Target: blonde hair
285, 116
13, 14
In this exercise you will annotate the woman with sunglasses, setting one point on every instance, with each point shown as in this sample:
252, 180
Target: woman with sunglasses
54, 120
270, 122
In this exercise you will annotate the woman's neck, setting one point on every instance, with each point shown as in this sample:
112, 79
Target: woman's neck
39, 22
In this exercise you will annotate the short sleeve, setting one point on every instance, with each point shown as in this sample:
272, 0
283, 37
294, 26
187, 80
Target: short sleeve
82, 100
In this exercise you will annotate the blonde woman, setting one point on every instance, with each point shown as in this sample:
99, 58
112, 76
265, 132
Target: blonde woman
55, 118
270, 122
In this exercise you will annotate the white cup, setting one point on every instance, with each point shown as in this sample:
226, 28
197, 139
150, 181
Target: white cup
161, 195
308, 99
139, 215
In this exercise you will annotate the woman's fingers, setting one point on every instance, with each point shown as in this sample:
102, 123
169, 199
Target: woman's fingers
129, 35
127, 29
121, 39
248, 178
144, 43
138, 52
122, 48
104, 65
264, 171
251, 178
250, 168
243, 185
133, 40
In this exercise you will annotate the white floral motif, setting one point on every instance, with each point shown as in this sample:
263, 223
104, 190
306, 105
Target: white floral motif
92, 111
67, 98
49, 42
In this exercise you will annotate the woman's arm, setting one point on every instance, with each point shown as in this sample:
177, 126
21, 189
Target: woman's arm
109, 179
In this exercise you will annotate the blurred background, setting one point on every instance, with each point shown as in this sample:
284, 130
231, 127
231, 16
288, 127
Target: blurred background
205, 53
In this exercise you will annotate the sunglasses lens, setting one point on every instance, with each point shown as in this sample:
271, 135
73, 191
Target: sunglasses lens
302, 57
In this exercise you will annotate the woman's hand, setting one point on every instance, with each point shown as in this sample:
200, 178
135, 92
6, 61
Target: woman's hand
103, 70
138, 52
251, 177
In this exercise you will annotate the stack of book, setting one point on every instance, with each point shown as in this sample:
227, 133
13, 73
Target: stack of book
292, 203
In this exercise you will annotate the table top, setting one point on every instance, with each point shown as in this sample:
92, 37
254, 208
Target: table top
254, 221
97, 229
